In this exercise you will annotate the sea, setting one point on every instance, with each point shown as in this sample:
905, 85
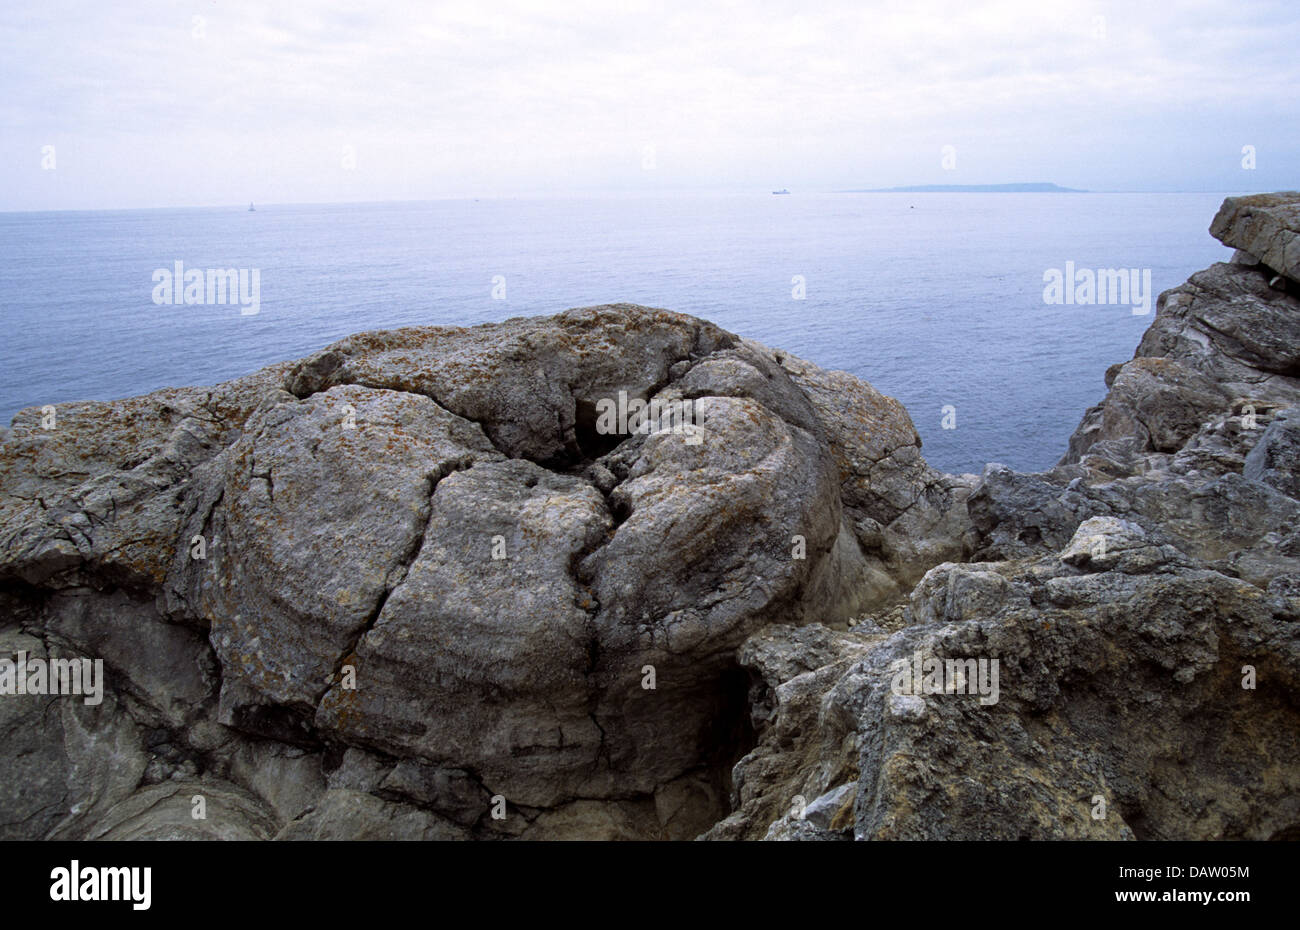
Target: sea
937, 299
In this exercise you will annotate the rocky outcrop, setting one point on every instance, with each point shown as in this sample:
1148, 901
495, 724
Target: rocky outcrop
1119, 713
1140, 600
1265, 229
414, 581
415, 586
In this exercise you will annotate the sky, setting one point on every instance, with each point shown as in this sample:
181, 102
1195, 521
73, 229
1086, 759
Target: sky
155, 104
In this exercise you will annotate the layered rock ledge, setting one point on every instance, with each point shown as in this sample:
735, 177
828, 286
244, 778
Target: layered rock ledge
413, 587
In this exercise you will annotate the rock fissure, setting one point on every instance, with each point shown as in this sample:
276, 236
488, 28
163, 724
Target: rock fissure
397, 574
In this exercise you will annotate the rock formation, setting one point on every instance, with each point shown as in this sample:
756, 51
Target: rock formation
1141, 599
414, 586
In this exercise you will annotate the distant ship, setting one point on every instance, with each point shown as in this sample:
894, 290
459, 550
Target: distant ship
781, 191
251, 208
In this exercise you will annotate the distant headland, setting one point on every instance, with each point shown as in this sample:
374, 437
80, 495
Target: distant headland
1032, 188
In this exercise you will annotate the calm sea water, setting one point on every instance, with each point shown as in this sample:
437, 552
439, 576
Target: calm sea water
936, 299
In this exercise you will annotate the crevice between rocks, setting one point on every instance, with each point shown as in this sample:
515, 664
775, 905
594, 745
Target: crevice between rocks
398, 573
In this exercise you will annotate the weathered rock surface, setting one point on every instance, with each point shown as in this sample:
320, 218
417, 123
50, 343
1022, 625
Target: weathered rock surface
1120, 695
1266, 227
1140, 599
375, 592
412, 587
1275, 459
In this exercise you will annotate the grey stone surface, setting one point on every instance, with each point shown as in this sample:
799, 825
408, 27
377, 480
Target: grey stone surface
1267, 226
425, 577
1275, 459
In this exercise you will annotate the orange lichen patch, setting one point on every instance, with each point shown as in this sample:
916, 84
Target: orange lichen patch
844, 817
148, 559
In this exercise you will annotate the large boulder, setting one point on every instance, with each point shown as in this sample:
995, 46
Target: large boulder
432, 554
1266, 227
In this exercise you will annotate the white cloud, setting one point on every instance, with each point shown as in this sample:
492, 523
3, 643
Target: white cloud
463, 98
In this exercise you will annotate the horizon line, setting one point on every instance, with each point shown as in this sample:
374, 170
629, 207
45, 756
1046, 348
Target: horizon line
595, 196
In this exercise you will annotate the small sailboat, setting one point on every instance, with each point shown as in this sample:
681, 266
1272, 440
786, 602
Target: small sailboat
251, 208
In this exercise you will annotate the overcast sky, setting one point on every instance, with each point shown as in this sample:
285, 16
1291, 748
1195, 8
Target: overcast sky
169, 104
